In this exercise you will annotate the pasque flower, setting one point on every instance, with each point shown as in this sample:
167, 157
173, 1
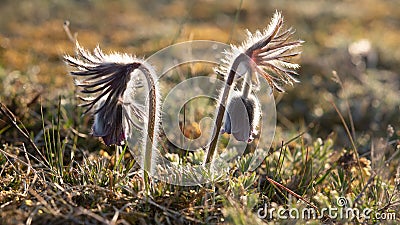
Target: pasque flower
266, 53
103, 78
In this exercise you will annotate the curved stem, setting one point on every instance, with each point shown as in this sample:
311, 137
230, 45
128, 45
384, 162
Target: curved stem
221, 108
151, 125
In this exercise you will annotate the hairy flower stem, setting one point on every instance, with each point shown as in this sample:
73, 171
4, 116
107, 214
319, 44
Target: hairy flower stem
221, 108
151, 127
246, 88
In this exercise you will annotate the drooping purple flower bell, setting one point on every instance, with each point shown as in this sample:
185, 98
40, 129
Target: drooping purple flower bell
242, 117
103, 78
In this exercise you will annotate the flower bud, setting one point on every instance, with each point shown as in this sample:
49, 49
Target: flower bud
242, 116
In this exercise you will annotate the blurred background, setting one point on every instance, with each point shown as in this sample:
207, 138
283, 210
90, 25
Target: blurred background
350, 56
